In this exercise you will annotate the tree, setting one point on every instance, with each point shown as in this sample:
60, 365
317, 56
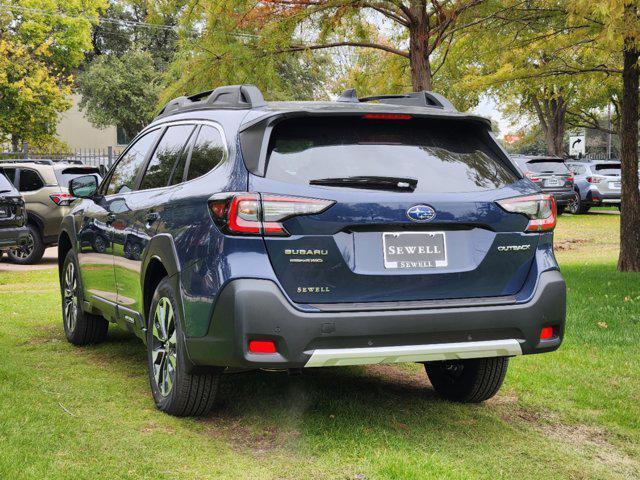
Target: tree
218, 47
417, 30
39, 51
615, 26
121, 90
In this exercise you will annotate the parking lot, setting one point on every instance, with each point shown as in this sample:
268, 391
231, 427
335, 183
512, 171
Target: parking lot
568, 414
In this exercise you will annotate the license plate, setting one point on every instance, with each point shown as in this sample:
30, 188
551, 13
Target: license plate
414, 250
552, 182
615, 185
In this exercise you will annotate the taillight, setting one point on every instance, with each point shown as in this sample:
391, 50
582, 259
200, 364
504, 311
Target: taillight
539, 209
62, 199
532, 176
260, 214
594, 179
569, 179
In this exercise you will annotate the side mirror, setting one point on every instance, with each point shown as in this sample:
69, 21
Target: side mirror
85, 186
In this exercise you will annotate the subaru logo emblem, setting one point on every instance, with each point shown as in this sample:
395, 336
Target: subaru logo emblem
421, 213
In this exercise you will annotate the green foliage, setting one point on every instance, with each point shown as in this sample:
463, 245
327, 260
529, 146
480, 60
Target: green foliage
38, 55
120, 90
218, 48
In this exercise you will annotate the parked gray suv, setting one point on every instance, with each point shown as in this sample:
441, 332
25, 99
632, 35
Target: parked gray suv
597, 183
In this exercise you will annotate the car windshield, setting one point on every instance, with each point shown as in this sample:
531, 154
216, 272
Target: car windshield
547, 166
64, 176
441, 156
608, 169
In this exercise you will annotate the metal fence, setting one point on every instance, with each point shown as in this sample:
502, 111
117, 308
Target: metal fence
88, 156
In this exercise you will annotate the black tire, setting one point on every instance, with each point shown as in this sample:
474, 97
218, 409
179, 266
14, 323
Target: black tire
99, 244
577, 206
175, 389
30, 253
80, 327
560, 209
470, 381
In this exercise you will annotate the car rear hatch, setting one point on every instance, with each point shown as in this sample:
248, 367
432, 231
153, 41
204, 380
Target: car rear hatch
607, 178
550, 174
412, 216
12, 213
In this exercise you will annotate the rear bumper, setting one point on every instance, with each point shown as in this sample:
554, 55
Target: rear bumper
249, 309
562, 197
12, 237
595, 197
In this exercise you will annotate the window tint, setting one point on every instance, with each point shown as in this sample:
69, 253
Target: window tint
124, 175
443, 156
169, 151
65, 176
547, 166
207, 153
608, 169
30, 181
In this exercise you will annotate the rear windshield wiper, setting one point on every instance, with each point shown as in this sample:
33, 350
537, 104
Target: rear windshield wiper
370, 182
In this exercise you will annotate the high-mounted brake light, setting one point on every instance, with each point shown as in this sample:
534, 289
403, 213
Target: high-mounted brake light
539, 209
386, 116
261, 214
62, 199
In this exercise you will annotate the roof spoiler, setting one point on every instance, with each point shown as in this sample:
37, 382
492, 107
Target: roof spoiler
229, 96
414, 99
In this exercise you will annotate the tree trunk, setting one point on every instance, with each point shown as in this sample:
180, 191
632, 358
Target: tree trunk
552, 116
419, 48
629, 260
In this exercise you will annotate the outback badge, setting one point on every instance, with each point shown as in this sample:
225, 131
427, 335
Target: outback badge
421, 213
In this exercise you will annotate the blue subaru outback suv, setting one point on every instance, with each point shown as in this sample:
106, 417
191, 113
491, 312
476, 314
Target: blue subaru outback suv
236, 234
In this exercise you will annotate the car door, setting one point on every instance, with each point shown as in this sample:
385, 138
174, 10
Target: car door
138, 222
101, 234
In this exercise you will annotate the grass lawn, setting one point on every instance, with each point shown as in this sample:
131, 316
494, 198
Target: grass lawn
68, 412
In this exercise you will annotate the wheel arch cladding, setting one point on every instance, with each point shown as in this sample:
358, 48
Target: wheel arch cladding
160, 261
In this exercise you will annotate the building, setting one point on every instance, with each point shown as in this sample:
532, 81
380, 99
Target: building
78, 133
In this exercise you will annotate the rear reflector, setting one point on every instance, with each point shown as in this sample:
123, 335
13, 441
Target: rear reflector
546, 333
539, 209
256, 214
386, 116
262, 346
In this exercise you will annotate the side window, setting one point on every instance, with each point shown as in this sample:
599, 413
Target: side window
168, 153
29, 180
207, 153
125, 172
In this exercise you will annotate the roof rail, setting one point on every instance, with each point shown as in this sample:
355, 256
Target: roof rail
229, 96
414, 99
42, 161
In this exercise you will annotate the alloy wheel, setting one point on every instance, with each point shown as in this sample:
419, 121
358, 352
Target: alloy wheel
70, 299
163, 348
574, 204
25, 251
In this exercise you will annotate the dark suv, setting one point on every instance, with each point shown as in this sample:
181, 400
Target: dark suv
314, 234
552, 175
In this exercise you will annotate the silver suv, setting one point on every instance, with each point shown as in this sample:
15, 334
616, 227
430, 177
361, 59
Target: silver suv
597, 183
43, 185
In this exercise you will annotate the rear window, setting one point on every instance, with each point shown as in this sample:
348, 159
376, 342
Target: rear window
547, 166
443, 156
65, 175
611, 169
